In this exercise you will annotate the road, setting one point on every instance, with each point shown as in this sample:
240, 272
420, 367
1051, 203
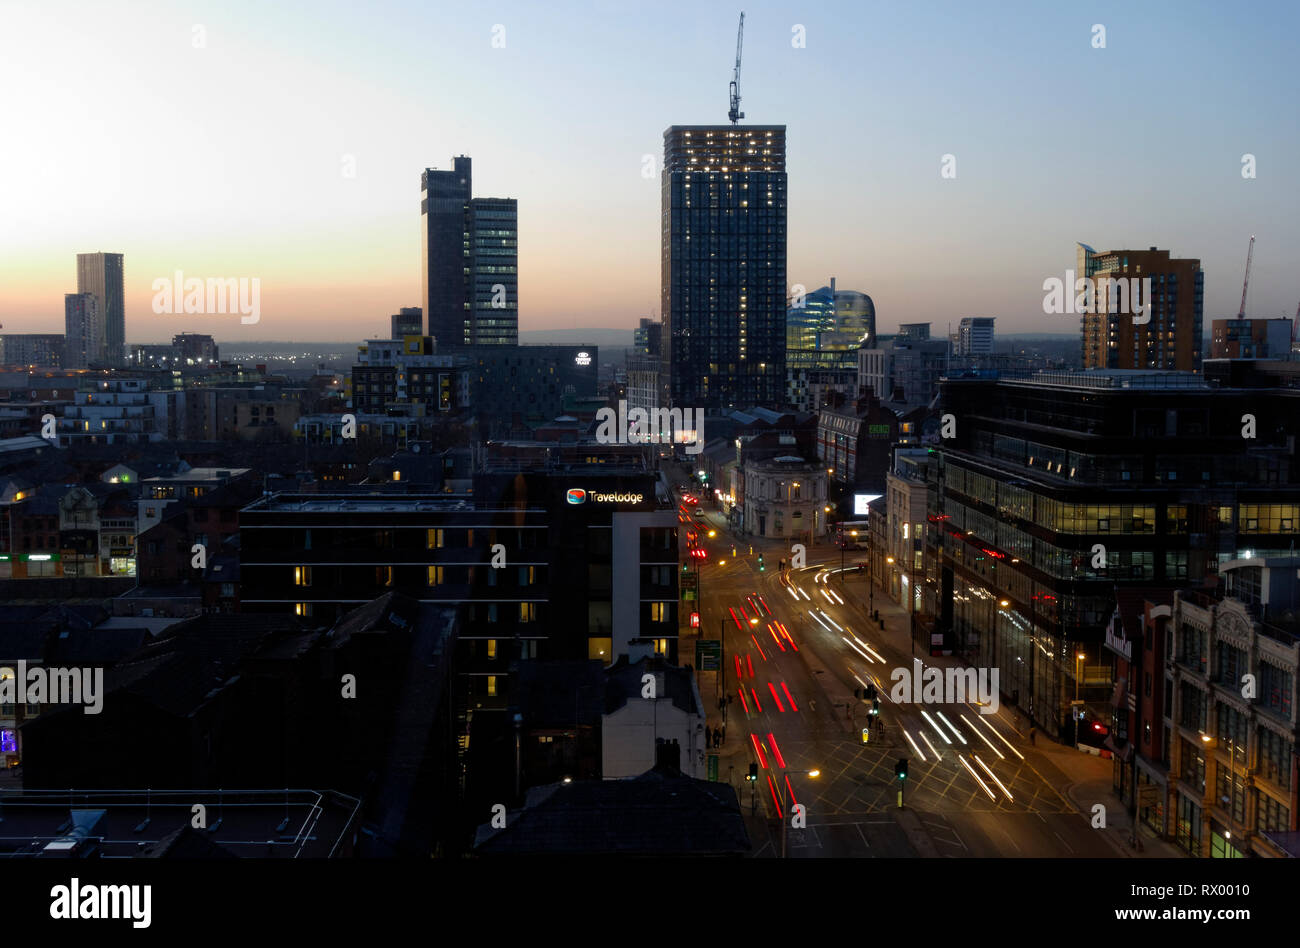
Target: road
970, 791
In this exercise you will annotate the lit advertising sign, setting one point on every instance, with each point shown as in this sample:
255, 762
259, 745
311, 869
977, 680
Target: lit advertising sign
860, 502
578, 495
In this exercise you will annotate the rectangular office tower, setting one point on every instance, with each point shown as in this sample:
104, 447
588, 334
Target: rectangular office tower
470, 264
1166, 334
723, 288
100, 274
83, 330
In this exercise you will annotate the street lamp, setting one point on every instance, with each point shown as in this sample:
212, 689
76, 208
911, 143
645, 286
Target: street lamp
780, 789
1232, 780
1078, 664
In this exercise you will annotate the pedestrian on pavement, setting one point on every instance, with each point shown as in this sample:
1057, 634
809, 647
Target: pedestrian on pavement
724, 732
715, 737
1032, 731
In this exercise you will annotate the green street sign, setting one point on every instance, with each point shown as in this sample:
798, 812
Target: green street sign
708, 654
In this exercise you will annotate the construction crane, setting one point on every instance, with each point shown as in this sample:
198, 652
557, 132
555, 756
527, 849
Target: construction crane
1245, 284
734, 112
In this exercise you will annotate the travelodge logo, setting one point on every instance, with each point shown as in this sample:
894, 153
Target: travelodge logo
576, 495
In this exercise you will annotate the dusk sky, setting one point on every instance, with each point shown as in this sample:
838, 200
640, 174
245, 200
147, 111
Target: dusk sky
228, 160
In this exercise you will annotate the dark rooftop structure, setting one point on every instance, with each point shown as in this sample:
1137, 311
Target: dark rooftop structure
660, 813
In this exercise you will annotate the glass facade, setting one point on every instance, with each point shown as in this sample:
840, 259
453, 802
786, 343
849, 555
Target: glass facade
724, 258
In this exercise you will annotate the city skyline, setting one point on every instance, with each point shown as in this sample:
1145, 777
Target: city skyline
328, 195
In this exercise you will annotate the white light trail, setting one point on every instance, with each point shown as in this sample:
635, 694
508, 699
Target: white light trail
983, 785
950, 724
983, 738
1001, 738
926, 715
994, 776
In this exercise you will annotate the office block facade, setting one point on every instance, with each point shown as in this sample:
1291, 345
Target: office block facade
1166, 334
83, 330
101, 275
975, 336
723, 277
407, 321
470, 268
32, 348
1059, 489
1251, 338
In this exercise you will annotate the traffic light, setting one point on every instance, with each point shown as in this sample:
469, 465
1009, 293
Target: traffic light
875, 705
900, 768
753, 772
760, 562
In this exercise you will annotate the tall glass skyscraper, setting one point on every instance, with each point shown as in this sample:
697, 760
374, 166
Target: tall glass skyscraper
101, 275
470, 266
723, 282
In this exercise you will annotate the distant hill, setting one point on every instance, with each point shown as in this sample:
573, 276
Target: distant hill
577, 337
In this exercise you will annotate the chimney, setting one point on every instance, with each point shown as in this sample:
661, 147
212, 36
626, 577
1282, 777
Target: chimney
668, 756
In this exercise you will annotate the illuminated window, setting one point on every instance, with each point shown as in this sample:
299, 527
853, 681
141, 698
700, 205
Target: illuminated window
492, 686
661, 646
491, 648
599, 648
302, 608
302, 575
384, 575
435, 539
527, 612
435, 575
658, 612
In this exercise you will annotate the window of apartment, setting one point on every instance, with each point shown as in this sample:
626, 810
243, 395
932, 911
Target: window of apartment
1193, 766
658, 612
302, 575
1275, 758
383, 576
491, 686
434, 539
435, 575
302, 608
1193, 707
1271, 816
1232, 664
1276, 688
528, 612
527, 575
491, 648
